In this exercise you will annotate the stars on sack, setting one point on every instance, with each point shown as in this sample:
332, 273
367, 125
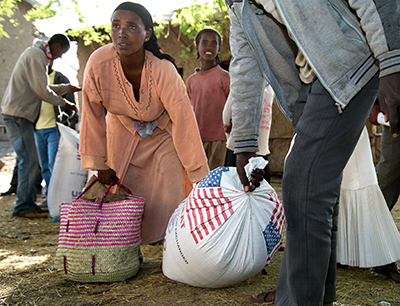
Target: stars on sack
272, 236
213, 178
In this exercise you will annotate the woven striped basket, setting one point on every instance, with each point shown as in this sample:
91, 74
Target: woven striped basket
99, 242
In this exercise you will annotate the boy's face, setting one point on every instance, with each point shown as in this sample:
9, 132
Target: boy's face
208, 47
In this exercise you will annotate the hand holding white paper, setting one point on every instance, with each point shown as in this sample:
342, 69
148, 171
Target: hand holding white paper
221, 235
254, 163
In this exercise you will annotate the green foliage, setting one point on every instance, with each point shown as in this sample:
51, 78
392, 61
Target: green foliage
184, 54
2, 32
8, 8
77, 11
191, 20
161, 26
199, 16
51, 8
14, 22
98, 34
40, 12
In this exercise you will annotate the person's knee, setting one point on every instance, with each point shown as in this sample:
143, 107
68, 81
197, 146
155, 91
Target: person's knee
294, 169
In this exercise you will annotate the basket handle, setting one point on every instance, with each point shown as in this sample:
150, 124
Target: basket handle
87, 188
108, 190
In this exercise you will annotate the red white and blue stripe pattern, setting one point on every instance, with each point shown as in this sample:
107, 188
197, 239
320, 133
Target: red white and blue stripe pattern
274, 230
207, 207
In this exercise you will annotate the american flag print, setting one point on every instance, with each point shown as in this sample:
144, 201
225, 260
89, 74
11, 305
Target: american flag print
274, 229
207, 207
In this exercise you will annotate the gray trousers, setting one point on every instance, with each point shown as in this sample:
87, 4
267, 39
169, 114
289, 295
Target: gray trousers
388, 169
323, 143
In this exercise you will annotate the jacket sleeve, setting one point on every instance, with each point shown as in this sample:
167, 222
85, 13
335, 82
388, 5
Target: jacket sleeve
185, 132
246, 88
59, 89
39, 83
62, 79
92, 139
380, 21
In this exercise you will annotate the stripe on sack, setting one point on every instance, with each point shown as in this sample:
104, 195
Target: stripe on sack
200, 215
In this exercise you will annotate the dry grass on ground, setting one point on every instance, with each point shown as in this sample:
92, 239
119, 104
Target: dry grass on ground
27, 275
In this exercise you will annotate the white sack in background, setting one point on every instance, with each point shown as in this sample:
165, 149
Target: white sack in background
67, 179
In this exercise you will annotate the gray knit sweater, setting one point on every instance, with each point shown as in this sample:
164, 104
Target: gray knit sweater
29, 85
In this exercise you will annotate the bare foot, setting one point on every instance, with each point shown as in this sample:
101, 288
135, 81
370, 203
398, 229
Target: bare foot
392, 270
264, 297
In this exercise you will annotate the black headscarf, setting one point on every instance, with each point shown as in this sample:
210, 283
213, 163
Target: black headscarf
152, 44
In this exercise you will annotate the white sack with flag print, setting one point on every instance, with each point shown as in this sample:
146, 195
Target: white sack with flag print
221, 235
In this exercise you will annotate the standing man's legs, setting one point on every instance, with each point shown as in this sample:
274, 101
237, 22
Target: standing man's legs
47, 145
14, 179
41, 146
322, 145
52, 147
20, 133
388, 169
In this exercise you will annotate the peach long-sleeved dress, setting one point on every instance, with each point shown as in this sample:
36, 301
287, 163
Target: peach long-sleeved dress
160, 167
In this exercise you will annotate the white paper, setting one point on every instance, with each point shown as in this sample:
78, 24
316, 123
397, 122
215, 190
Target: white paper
381, 119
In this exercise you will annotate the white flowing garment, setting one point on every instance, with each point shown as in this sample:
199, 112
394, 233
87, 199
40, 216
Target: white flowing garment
367, 234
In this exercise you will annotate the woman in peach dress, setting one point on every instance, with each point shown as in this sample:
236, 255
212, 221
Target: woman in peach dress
149, 139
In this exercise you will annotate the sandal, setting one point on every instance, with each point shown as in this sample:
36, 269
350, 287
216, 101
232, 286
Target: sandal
392, 270
264, 297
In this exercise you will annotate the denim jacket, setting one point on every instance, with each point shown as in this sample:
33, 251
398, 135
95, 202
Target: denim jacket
345, 43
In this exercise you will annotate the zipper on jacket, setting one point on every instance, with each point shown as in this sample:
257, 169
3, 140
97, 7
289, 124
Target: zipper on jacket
346, 20
339, 108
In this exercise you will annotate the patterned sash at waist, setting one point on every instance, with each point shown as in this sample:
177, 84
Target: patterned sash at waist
145, 128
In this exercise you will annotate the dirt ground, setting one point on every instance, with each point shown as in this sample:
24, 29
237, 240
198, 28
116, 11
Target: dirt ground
28, 277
